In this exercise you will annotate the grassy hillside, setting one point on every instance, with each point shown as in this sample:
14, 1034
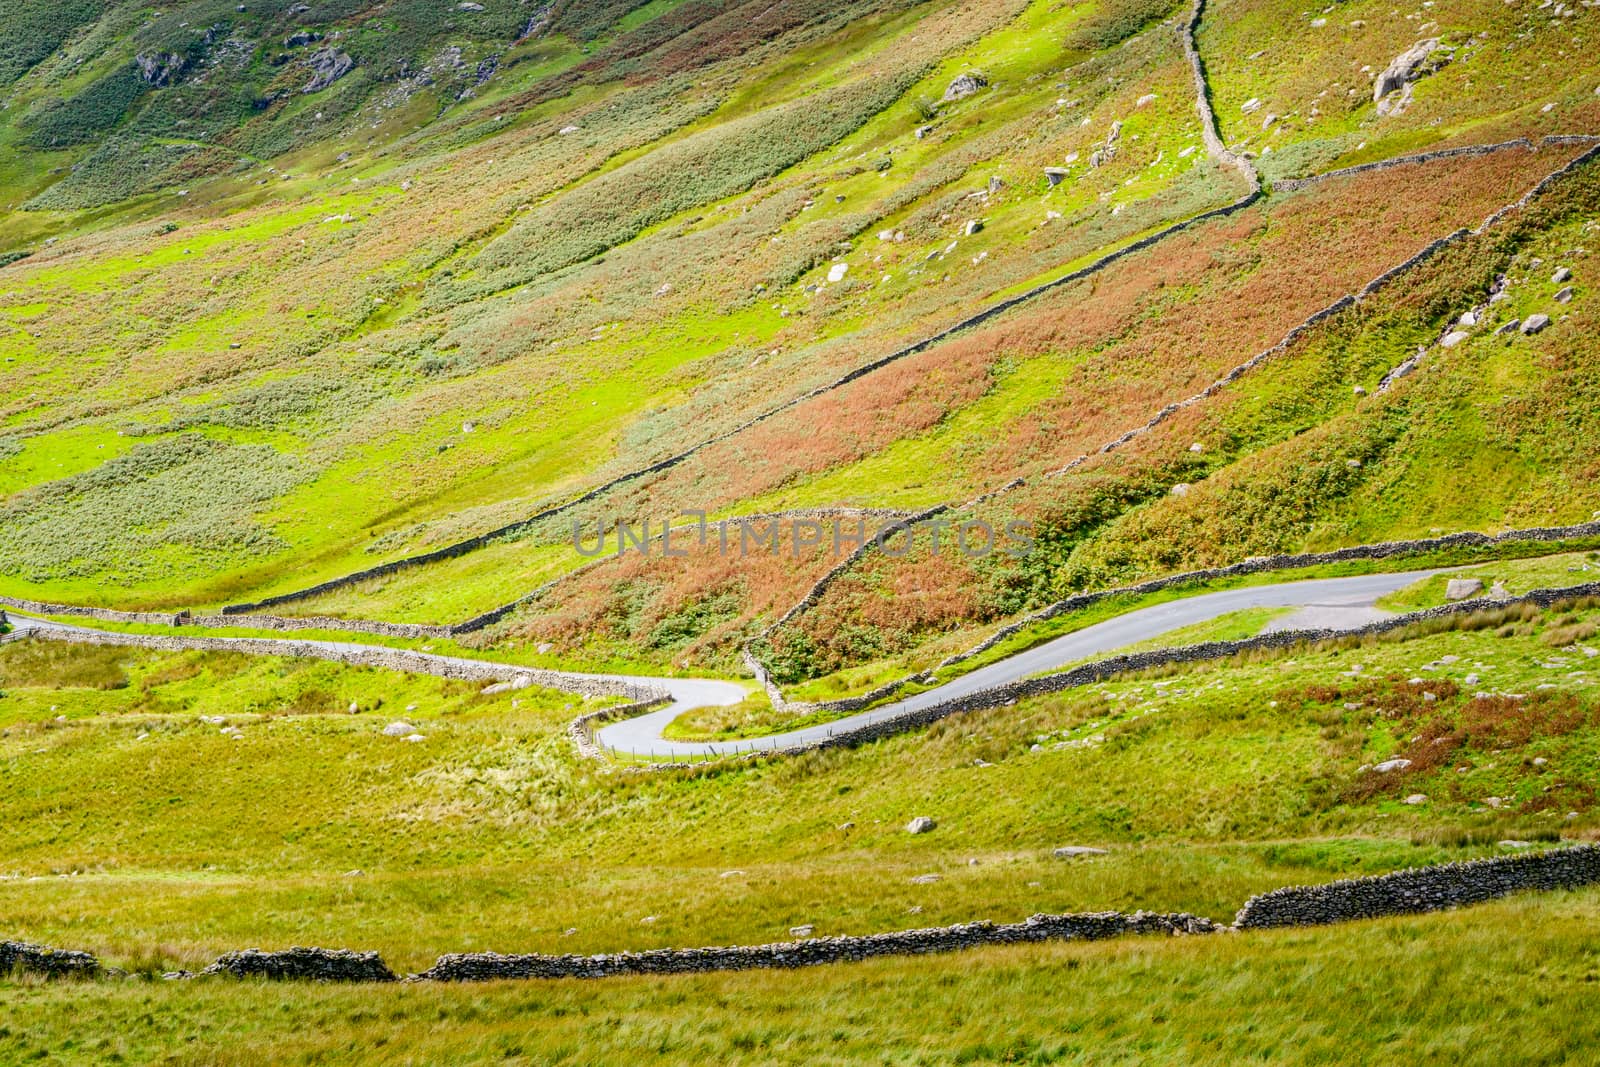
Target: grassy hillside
292, 291
267, 336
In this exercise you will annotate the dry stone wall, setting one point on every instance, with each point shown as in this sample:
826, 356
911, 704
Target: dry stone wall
395, 659
581, 730
18, 957
304, 964
1284, 185
1210, 133
1413, 891
1448, 885
811, 952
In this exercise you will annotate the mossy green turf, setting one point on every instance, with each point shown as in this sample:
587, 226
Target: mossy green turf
1508, 982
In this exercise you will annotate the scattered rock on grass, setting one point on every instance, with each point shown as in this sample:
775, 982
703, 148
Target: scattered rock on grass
920, 825
1534, 324
1462, 588
398, 729
1067, 852
965, 85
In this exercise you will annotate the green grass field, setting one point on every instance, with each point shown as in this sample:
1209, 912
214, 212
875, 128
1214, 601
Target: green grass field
1420, 990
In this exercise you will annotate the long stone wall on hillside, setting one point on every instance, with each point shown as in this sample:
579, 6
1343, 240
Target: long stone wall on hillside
1418, 890
812, 952
1421, 889
1284, 185
414, 631
1210, 131
395, 659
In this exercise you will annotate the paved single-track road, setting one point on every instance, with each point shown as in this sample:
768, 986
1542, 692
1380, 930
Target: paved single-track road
1323, 603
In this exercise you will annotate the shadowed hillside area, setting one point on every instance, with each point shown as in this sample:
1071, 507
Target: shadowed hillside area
401, 402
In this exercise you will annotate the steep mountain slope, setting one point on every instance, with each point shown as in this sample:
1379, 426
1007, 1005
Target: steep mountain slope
373, 308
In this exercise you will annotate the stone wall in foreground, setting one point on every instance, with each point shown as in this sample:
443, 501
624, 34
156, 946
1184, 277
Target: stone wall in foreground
1094, 926
1448, 885
1422, 889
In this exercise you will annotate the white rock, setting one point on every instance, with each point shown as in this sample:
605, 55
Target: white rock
1067, 852
414, 738
972, 227
398, 729
1534, 323
1540, 761
1468, 318
1251, 105
837, 272
1454, 338
1389, 765
1181, 489
1509, 843
920, 825
925, 879
805, 930
1147, 98
1462, 588
1564, 296
1416, 798
1562, 274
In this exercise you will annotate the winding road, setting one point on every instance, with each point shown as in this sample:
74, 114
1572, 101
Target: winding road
1324, 603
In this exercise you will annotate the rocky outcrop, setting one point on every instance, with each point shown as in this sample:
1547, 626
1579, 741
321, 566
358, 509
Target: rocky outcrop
303, 964
964, 86
1415, 63
1449, 885
161, 70
18, 957
327, 65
